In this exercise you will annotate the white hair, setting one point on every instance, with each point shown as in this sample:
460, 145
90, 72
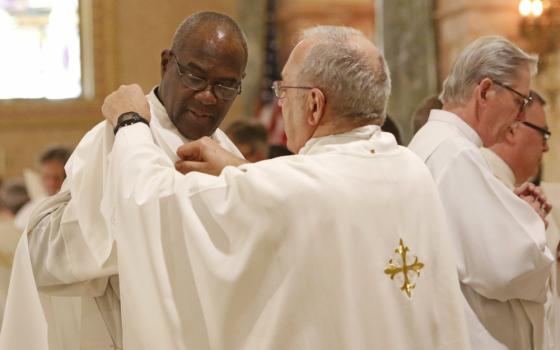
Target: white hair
487, 57
357, 85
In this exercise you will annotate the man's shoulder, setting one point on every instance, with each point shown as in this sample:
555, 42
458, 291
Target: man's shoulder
440, 140
94, 135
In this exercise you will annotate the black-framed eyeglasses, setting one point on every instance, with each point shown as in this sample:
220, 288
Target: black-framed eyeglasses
196, 83
525, 100
544, 132
280, 90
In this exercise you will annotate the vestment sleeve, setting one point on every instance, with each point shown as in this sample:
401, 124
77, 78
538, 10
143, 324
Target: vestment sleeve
72, 251
500, 240
62, 262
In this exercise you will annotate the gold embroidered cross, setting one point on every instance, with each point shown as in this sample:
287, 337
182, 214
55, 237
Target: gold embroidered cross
399, 264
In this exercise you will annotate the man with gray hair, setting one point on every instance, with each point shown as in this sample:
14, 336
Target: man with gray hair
310, 251
503, 261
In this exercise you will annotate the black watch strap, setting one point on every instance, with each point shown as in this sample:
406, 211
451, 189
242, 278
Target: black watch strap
129, 118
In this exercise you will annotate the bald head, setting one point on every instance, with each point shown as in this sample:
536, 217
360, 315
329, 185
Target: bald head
211, 27
350, 70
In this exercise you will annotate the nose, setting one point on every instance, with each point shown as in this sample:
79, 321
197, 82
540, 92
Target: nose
545, 146
206, 96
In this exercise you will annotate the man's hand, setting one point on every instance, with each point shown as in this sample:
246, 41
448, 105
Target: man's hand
535, 197
128, 98
206, 156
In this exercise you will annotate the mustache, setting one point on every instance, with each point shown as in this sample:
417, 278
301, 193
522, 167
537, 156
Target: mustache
199, 109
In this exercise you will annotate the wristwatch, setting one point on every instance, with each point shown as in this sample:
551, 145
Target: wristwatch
129, 118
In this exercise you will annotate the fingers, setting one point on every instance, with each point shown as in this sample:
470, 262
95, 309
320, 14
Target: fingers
538, 207
540, 197
127, 98
521, 190
197, 150
539, 200
186, 166
547, 208
190, 151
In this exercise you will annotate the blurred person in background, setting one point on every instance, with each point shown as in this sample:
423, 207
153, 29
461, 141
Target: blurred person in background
278, 151
421, 114
390, 126
13, 196
51, 168
51, 176
251, 138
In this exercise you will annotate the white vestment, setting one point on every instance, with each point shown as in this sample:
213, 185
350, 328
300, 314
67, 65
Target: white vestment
503, 172
81, 257
9, 236
503, 261
288, 253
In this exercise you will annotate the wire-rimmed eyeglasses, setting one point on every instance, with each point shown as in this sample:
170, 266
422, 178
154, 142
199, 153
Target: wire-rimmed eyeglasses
196, 83
544, 132
279, 89
525, 100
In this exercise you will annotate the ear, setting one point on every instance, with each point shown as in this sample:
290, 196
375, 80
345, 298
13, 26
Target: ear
511, 135
316, 106
482, 91
165, 58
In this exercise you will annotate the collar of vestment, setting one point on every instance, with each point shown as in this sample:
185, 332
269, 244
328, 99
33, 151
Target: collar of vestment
384, 142
499, 168
159, 115
456, 121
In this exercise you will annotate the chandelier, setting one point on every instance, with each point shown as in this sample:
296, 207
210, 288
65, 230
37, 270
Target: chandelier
540, 25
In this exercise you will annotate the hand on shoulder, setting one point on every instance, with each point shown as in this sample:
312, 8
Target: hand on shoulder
128, 98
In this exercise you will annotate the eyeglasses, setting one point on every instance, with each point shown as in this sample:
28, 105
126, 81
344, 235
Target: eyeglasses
525, 99
195, 83
544, 132
280, 90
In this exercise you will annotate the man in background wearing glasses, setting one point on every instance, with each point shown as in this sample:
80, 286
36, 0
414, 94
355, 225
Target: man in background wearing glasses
516, 160
71, 248
499, 234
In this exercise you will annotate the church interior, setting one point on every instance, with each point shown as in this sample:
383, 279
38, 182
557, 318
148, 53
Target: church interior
61, 59
119, 42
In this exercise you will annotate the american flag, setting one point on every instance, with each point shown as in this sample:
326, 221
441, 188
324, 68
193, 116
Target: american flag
269, 113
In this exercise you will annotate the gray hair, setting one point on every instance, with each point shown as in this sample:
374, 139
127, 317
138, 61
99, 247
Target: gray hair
356, 86
487, 57
198, 19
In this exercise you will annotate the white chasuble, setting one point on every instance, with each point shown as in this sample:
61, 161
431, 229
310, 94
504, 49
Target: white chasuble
503, 261
342, 246
69, 253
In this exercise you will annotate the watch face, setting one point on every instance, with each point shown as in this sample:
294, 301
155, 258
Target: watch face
127, 116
